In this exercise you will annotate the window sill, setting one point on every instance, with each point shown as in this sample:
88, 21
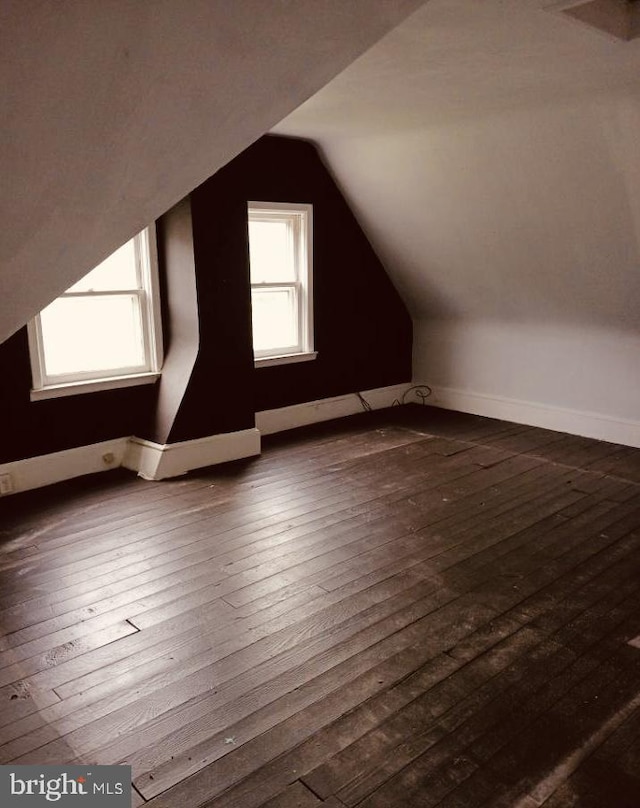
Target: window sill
92, 386
285, 359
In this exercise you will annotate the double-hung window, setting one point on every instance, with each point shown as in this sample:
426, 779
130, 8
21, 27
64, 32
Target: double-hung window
280, 257
104, 331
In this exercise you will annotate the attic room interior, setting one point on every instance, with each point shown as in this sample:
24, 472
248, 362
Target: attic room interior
359, 531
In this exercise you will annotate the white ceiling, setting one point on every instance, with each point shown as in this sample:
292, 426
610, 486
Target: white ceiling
114, 110
457, 59
489, 148
492, 152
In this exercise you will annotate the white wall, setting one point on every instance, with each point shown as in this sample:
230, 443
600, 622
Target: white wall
584, 381
113, 111
492, 154
515, 240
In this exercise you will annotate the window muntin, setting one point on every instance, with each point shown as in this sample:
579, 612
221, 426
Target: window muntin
280, 258
105, 326
121, 270
66, 354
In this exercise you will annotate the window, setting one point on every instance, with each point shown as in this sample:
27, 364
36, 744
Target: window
104, 331
280, 258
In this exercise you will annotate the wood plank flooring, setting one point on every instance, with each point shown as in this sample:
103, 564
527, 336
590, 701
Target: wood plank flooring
406, 608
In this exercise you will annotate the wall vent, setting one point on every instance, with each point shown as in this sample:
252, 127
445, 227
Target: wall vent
616, 18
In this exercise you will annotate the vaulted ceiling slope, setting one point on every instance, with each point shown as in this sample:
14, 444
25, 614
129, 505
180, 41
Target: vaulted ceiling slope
492, 152
113, 111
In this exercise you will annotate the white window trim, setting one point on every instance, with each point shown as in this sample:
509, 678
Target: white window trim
93, 386
304, 283
92, 381
285, 359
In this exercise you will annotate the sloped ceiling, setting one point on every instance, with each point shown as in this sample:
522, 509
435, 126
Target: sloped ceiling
114, 110
492, 152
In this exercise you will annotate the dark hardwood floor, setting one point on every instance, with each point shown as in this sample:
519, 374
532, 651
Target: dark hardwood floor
407, 608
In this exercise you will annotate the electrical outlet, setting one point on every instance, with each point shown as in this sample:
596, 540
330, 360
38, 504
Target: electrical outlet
6, 484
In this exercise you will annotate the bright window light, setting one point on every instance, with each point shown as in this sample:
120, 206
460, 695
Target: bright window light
281, 290
78, 334
105, 326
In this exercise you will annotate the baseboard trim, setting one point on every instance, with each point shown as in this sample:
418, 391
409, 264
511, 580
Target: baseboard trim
326, 409
575, 422
153, 461
156, 461
36, 472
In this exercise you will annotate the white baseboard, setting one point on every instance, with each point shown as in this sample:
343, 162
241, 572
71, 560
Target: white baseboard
35, 472
325, 409
575, 422
153, 461
156, 461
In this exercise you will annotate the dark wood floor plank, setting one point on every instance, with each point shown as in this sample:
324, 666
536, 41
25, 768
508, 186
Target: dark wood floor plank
25, 610
229, 769
345, 501
476, 429
19, 699
143, 494
578, 455
456, 729
434, 541
368, 756
462, 529
405, 608
115, 530
312, 752
529, 441
136, 640
234, 656
40, 655
625, 464
297, 795
137, 800
585, 672
481, 723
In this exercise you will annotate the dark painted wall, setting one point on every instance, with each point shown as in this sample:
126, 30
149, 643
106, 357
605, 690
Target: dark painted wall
219, 396
363, 332
362, 329
40, 427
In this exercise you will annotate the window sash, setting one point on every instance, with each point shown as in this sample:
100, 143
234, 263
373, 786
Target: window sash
298, 217
296, 346
136, 290
146, 296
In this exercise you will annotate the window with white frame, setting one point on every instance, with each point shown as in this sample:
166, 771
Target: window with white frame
280, 257
104, 331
